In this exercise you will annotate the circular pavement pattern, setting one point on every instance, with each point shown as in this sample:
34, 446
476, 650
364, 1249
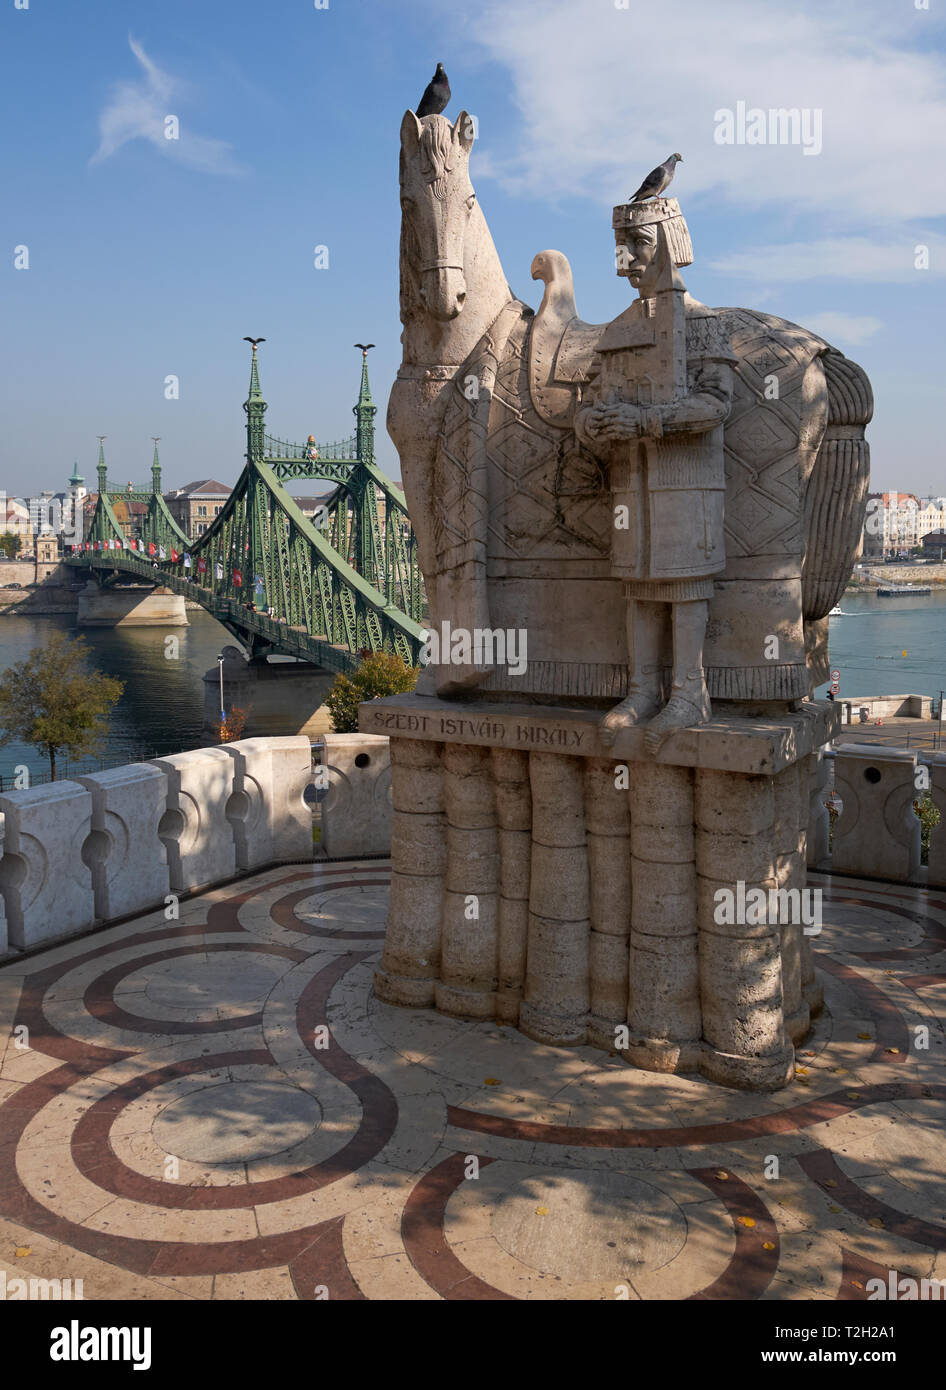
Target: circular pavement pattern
237, 1121
589, 1224
209, 983
326, 1138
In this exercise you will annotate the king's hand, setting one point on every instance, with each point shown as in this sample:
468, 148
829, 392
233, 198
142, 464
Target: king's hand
605, 424
619, 422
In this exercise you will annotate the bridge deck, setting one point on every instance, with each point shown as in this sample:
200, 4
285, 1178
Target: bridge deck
236, 617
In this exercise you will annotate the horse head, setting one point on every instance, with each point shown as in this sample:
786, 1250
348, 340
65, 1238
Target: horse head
437, 201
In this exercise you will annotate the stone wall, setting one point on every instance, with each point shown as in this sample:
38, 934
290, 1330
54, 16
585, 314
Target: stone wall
78, 854
54, 588
877, 573
885, 707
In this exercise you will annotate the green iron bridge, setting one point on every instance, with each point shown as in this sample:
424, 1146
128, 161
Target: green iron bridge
339, 586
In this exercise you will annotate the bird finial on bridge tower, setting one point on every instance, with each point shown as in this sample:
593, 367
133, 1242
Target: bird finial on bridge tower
255, 392
365, 411
255, 408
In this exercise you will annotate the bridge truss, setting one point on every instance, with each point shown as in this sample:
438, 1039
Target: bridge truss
325, 589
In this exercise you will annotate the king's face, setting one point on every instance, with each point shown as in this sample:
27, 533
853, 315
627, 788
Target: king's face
636, 247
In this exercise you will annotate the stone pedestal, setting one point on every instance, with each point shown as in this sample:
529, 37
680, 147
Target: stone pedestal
593, 894
280, 698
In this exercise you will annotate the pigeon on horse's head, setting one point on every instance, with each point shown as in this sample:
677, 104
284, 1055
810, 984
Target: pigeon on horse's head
436, 94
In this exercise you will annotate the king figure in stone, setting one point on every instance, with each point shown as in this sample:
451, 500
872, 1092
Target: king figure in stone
659, 392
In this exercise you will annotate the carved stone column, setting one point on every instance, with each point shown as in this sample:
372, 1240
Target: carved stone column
790, 793
411, 961
740, 962
514, 817
608, 825
469, 961
555, 1009
664, 1005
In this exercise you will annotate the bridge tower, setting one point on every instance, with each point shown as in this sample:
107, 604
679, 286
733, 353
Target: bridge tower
156, 469
258, 561
364, 412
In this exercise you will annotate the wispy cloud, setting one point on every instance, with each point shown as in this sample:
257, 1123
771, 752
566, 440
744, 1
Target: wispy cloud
604, 94
139, 110
839, 327
891, 259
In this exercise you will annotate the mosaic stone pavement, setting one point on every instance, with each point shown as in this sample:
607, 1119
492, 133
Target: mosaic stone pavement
183, 1125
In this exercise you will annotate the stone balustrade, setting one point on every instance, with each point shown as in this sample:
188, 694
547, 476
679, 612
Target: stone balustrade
356, 813
877, 833
80, 853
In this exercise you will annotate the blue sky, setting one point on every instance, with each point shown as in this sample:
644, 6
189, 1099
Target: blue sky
150, 257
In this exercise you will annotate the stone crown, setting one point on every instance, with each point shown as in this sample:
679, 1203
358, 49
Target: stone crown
651, 211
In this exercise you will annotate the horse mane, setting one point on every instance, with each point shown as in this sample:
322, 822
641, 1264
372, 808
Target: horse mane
438, 149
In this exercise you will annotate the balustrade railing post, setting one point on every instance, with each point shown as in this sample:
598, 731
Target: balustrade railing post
878, 834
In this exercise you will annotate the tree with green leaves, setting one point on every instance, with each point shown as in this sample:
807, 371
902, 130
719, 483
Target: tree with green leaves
380, 673
54, 702
10, 544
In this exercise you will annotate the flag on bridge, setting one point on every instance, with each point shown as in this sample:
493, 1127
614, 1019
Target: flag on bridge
258, 586
174, 556
238, 579
201, 565
187, 560
162, 553
152, 548
219, 570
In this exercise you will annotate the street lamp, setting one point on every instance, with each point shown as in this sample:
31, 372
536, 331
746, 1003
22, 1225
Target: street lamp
223, 713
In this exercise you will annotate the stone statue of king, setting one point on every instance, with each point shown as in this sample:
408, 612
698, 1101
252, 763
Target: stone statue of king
660, 388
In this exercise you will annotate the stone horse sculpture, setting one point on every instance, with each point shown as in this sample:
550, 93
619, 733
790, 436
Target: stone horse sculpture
512, 508
564, 828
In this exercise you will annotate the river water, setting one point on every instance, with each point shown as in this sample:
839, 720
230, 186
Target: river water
161, 710
889, 646
880, 646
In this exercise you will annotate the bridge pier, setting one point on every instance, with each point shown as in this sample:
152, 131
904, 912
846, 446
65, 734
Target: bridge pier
278, 697
126, 607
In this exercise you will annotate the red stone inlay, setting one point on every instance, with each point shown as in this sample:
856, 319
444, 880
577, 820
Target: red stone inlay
855, 1272
324, 1263
822, 1168
892, 1030
90, 1151
100, 1003
424, 1239
93, 1156
934, 931
751, 1268
793, 1117
283, 911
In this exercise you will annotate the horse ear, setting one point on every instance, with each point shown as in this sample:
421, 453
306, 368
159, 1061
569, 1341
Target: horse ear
465, 129
410, 132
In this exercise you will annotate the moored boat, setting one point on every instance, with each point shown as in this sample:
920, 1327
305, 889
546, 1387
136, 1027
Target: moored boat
912, 590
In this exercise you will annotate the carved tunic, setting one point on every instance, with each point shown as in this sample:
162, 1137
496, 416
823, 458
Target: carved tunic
672, 482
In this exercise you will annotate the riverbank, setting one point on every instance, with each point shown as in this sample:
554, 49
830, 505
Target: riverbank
875, 576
